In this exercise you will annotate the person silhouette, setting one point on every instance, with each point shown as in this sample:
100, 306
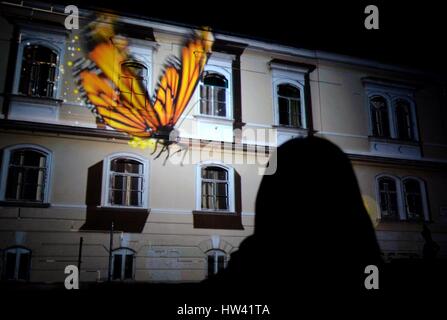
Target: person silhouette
311, 231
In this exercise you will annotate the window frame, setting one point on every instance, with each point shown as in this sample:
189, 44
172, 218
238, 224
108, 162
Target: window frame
401, 203
105, 194
51, 40
399, 208
424, 200
123, 252
5, 172
146, 78
300, 88
16, 266
391, 93
296, 78
221, 66
231, 187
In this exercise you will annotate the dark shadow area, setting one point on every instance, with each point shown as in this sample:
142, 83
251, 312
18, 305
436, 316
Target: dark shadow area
312, 230
100, 218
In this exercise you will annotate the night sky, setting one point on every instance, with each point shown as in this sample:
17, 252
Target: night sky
411, 33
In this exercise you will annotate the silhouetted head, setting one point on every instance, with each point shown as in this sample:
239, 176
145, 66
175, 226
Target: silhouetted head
311, 210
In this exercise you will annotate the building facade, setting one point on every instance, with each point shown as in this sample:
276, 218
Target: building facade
66, 176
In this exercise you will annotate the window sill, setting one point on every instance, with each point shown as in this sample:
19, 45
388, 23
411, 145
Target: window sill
36, 99
213, 119
394, 141
217, 220
24, 204
123, 209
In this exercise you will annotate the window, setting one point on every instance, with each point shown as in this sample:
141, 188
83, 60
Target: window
126, 187
123, 264
379, 117
25, 174
134, 83
38, 71
17, 263
413, 196
215, 188
402, 199
217, 261
388, 198
289, 105
404, 125
213, 95
125, 181
392, 110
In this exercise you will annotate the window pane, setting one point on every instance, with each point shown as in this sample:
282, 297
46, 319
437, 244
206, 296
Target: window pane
215, 80
13, 187
287, 90
222, 189
211, 264
220, 262
295, 109
117, 197
222, 203
24, 263
126, 166
379, 117
117, 263
215, 173
403, 120
283, 106
128, 269
10, 265
388, 198
135, 198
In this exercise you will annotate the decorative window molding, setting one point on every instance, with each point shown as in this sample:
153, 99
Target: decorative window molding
42, 105
16, 263
16, 160
392, 118
53, 41
125, 181
408, 204
214, 184
283, 74
123, 264
218, 64
216, 261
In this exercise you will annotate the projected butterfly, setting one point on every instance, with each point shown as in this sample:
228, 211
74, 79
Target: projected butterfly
118, 96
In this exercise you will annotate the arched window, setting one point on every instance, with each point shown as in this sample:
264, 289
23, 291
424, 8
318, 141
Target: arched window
404, 128
38, 71
388, 198
289, 105
25, 174
414, 202
217, 260
133, 82
213, 95
17, 263
379, 117
126, 182
123, 264
215, 188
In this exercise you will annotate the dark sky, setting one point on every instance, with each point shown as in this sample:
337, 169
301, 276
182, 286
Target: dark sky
411, 32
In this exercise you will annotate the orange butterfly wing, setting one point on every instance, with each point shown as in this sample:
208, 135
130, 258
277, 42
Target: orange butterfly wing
177, 86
